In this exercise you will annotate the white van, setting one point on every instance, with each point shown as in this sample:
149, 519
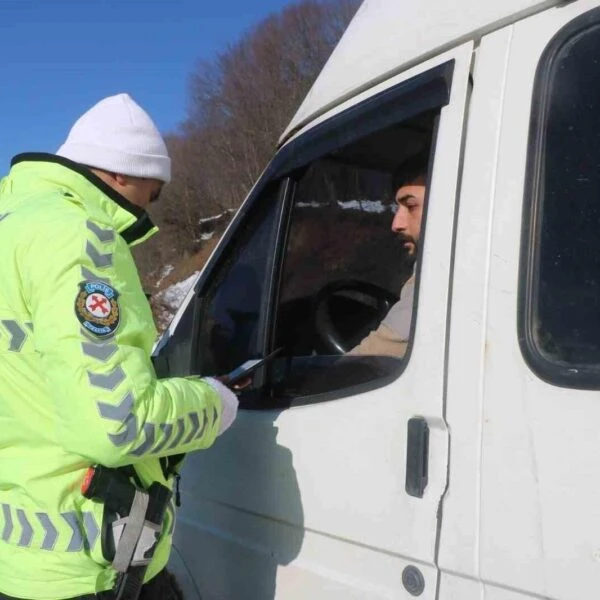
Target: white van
469, 468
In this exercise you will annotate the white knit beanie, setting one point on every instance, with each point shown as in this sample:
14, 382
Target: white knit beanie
117, 135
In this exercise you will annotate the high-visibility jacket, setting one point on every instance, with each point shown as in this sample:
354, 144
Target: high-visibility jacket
77, 386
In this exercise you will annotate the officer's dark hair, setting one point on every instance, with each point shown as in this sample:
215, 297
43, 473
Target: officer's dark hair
411, 169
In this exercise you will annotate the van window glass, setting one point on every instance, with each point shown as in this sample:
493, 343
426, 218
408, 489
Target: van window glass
562, 245
325, 255
230, 306
347, 284
174, 359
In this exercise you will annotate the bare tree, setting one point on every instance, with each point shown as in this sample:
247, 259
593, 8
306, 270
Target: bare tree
243, 99
239, 104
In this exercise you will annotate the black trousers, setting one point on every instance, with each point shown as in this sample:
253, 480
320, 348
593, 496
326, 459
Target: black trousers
162, 587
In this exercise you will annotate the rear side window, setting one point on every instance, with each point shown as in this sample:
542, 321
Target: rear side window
560, 292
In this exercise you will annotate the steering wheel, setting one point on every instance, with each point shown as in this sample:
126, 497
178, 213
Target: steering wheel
363, 305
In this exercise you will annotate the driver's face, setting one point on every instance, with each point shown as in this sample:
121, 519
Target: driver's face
407, 220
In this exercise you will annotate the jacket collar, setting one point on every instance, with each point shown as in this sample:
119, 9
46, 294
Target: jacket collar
130, 221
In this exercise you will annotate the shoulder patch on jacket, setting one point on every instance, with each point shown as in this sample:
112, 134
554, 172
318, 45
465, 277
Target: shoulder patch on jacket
97, 308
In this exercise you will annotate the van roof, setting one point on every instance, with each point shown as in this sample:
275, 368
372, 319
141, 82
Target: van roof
386, 37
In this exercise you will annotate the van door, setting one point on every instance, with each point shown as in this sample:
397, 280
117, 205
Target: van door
523, 402
329, 483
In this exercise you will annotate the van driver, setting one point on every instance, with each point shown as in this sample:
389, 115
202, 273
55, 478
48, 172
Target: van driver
391, 337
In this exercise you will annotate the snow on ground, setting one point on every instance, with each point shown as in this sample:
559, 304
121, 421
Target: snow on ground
174, 295
170, 299
217, 217
372, 206
166, 271
312, 204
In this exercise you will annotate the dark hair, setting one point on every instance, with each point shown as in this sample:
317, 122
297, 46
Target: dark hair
411, 169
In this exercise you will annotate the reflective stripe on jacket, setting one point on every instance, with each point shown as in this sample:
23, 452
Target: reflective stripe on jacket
70, 398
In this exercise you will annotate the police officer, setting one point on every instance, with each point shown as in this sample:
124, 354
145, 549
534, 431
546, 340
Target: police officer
77, 386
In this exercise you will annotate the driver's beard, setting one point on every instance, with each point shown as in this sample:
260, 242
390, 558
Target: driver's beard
410, 258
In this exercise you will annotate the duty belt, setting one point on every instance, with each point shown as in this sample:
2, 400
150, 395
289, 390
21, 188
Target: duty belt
136, 516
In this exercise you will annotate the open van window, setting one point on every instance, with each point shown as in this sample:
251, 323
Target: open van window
348, 277
320, 255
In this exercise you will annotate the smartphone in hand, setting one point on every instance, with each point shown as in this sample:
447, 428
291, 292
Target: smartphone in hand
247, 368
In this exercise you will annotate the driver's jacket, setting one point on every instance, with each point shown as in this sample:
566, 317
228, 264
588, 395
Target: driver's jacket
77, 386
392, 335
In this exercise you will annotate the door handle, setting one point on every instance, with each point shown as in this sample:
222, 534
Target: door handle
417, 456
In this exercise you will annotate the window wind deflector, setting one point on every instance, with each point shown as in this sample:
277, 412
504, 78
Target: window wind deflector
422, 93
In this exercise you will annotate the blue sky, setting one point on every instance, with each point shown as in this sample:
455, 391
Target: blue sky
59, 57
